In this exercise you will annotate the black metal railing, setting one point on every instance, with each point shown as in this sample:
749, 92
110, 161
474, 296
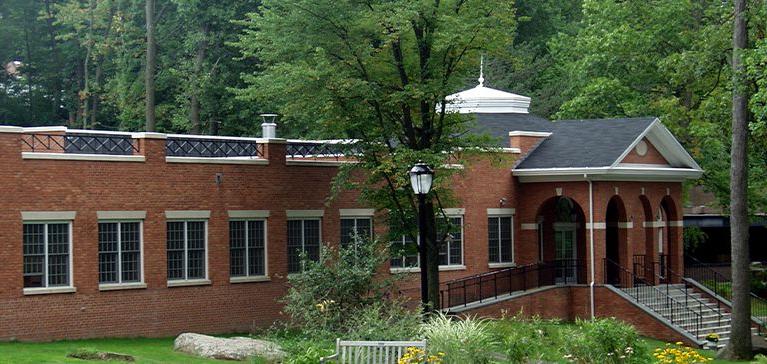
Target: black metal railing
693, 300
319, 150
657, 299
212, 148
721, 285
80, 143
491, 285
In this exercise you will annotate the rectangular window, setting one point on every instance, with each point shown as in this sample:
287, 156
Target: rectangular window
303, 237
404, 253
187, 243
500, 239
120, 252
351, 226
247, 248
46, 251
451, 252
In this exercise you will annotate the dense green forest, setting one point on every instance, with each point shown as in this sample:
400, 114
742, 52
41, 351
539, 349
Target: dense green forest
82, 63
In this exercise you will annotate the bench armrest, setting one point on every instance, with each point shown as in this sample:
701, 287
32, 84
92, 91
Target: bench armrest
329, 358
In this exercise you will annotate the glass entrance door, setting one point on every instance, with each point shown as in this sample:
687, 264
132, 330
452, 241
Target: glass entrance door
566, 254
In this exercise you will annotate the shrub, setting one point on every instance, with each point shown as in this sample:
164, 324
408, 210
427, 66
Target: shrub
531, 340
605, 341
462, 341
342, 295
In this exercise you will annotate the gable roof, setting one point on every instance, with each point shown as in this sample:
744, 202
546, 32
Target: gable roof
594, 147
586, 143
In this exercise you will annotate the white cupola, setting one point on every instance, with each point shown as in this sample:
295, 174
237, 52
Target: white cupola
481, 99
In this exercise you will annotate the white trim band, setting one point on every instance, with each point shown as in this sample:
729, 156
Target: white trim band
247, 279
501, 211
597, 225
304, 213
626, 225
654, 224
121, 215
678, 223
356, 212
48, 215
218, 160
454, 211
529, 226
248, 214
316, 163
188, 282
83, 157
187, 214
121, 286
48, 290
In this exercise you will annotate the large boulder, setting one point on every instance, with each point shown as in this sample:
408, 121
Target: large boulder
236, 348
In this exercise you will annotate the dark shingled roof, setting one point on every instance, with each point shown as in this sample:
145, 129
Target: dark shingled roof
572, 144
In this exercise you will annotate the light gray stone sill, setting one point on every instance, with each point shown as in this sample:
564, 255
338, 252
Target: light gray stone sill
220, 160
83, 157
48, 290
189, 282
121, 286
442, 268
501, 265
248, 279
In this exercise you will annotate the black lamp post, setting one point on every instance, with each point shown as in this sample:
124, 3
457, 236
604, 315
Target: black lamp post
421, 177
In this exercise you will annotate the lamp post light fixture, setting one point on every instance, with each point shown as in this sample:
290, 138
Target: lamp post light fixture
421, 178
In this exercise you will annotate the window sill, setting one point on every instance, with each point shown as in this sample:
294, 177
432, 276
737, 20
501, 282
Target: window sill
247, 279
218, 160
442, 268
119, 286
189, 282
50, 290
501, 265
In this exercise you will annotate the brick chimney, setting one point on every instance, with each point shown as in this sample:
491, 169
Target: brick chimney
526, 141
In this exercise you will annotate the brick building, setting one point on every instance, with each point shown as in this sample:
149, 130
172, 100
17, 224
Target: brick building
149, 234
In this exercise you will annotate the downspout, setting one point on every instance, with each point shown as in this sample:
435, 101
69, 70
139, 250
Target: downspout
591, 244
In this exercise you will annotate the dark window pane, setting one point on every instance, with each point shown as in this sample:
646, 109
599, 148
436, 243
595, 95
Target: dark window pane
492, 239
237, 248
347, 231
58, 255
256, 257
175, 243
294, 245
34, 254
505, 239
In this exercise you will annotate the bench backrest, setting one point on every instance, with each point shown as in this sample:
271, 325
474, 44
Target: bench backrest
374, 352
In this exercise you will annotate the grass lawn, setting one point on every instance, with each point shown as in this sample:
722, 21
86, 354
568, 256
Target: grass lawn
144, 350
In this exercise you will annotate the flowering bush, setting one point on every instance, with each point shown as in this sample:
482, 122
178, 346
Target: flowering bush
678, 354
415, 355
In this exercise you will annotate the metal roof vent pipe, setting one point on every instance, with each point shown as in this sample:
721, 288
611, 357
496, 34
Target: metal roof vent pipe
269, 127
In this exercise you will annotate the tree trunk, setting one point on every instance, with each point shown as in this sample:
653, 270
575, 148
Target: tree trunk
739, 346
151, 61
55, 62
194, 110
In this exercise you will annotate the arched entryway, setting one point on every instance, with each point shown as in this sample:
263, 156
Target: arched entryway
562, 237
615, 240
668, 239
644, 264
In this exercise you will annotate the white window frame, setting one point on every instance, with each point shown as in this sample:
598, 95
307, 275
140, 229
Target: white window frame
449, 266
248, 277
126, 285
404, 269
500, 263
186, 281
356, 218
303, 234
70, 288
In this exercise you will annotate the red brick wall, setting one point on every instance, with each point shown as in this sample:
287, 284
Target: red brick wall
155, 186
571, 302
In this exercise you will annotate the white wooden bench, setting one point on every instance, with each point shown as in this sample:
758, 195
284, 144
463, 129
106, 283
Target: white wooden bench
371, 352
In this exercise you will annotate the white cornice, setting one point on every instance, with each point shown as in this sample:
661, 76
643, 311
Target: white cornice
606, 173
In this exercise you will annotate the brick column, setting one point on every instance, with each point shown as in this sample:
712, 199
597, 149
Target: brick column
152, 147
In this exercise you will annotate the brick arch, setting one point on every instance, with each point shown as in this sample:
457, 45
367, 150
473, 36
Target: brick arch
671, 234
616, 240
549, 219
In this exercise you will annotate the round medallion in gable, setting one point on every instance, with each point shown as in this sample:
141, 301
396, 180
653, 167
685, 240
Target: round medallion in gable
641, 148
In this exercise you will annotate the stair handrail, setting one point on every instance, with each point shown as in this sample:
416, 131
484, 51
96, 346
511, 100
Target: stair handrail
671, 302
718, 284
687, 295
